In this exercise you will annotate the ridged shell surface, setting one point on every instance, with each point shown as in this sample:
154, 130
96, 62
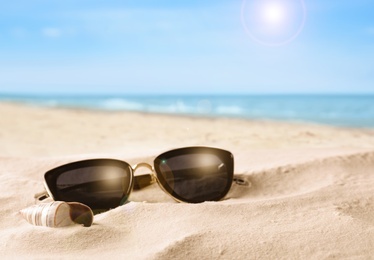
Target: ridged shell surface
52, 214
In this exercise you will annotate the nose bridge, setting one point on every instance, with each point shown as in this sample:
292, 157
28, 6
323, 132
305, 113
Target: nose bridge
143, 164
141, 181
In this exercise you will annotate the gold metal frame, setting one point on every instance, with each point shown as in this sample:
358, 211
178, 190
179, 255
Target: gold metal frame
41, 196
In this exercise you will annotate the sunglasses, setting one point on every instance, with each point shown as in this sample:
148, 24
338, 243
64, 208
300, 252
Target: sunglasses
190, 174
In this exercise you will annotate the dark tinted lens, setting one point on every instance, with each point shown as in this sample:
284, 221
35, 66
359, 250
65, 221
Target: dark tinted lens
100, 186
195, 175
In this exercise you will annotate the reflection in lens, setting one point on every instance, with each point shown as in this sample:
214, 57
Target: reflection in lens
194, 177
99, 187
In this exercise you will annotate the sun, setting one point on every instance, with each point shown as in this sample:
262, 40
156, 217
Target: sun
273, 14
273, 22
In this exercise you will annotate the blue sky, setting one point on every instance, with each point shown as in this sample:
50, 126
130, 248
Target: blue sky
160, 47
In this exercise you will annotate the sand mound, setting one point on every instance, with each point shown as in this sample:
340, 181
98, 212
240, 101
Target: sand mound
314, 209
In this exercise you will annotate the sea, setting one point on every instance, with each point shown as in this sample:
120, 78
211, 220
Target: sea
337, 110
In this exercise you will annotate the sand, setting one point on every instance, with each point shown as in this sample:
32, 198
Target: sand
309, 192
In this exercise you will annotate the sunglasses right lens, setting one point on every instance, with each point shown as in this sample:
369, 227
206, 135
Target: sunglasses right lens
101, 184
195, 174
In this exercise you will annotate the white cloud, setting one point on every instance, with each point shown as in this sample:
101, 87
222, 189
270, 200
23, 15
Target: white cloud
51, 32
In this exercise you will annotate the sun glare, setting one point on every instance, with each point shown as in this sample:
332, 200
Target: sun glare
273, 22
273, 14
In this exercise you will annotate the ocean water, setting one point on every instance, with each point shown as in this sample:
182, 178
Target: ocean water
337, 110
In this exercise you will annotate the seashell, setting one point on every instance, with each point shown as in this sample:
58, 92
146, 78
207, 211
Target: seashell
58, 214
81, 214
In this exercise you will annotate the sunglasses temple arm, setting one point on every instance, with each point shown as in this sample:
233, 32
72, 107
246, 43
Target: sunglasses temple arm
142, 181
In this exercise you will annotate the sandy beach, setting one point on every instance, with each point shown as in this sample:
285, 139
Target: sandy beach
309, 192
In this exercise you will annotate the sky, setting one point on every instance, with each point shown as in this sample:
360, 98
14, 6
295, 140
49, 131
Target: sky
187, 47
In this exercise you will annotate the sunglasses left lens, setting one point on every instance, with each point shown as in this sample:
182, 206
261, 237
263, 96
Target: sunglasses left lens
100, 184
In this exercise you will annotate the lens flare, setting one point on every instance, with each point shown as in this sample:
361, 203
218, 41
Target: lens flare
273, 14
273, 22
